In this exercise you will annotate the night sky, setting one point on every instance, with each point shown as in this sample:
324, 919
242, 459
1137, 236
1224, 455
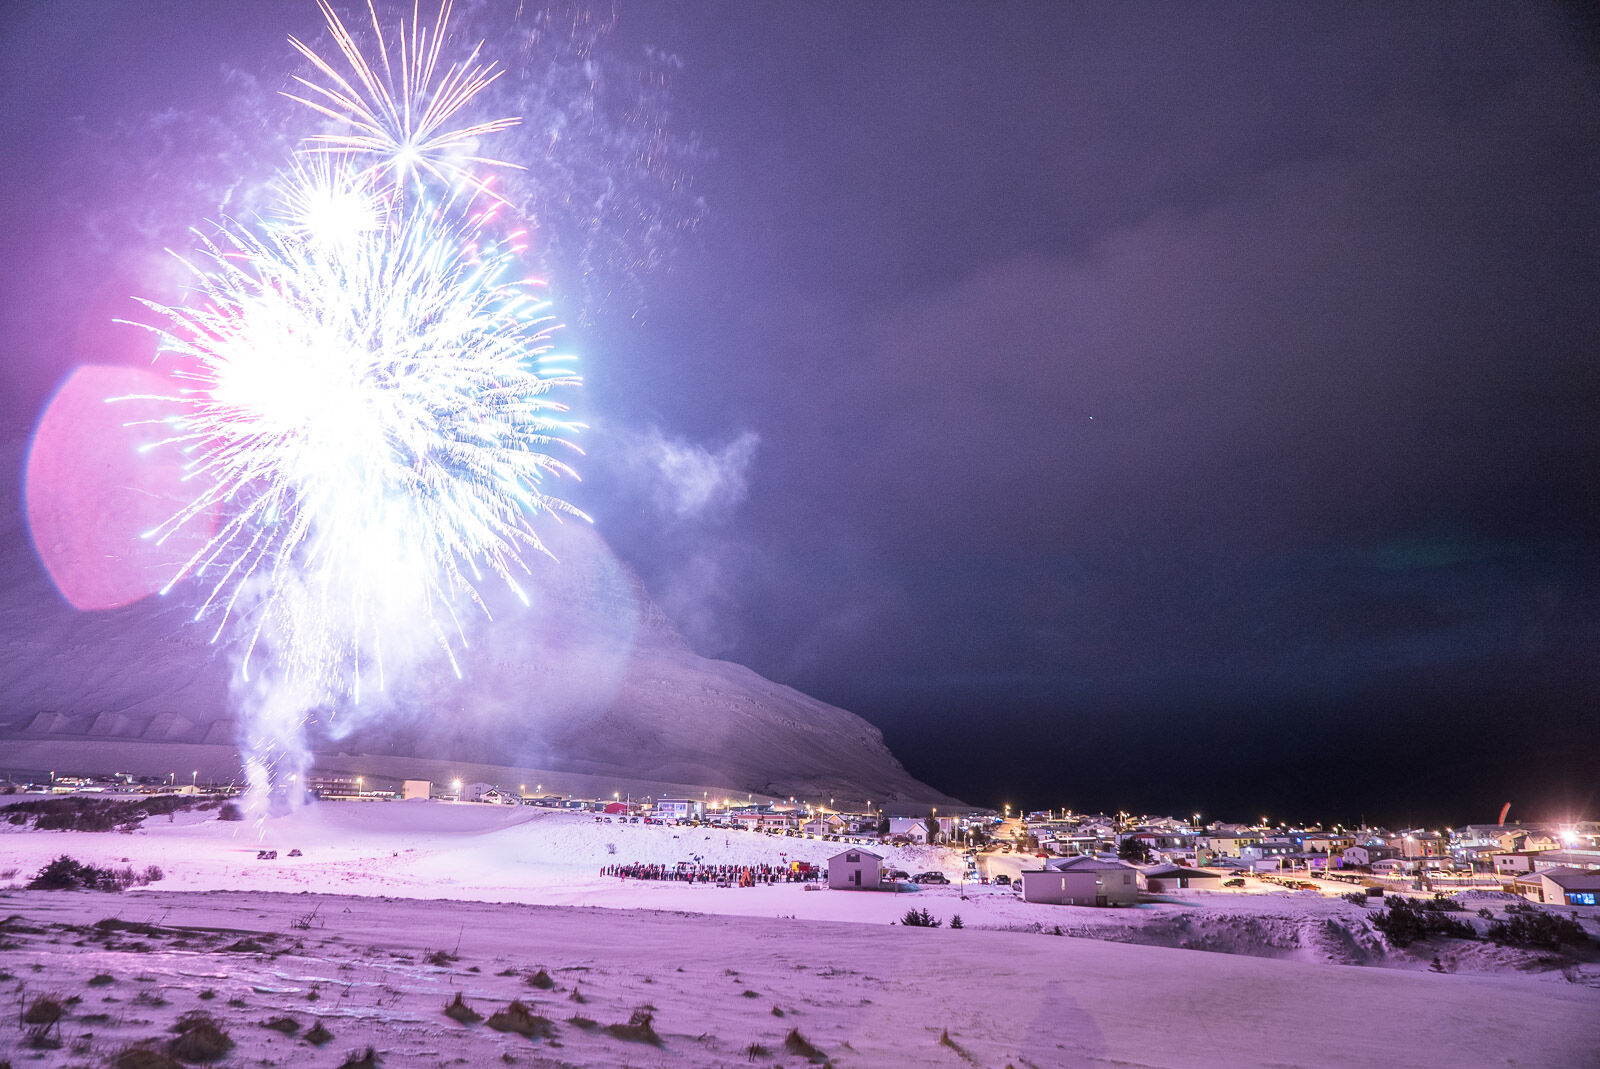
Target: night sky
1141, 406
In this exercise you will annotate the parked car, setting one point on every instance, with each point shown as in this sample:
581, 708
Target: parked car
931, 877
899, 874
1003, 880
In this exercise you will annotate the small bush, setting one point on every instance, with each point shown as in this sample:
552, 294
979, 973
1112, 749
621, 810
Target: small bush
319, 1035
366, 1060
200, 1039
142, 1057
458, 1010
955, 922
541, 980
42, 1010
799, 1045
1536, 928
639, 1029
286, 1025
230, 811
1356, 898
920, 918
521, 1020
1407, 921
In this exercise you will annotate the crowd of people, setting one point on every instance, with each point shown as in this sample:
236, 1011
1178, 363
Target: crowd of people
731, 875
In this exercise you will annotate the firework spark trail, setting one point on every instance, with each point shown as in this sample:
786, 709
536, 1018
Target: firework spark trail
369, 395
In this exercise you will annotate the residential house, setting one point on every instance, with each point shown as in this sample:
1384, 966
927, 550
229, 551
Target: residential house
1169, 878
487, 792
1510, 863
1414, 846
676, 808
1366, 855
1227, 843
855, 870
1082, 881
1561, 886
912, 828
1568, 859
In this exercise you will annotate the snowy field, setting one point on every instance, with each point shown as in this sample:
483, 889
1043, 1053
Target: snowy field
353, 935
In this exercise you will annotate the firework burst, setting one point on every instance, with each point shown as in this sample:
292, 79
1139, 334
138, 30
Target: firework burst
398, 118
369, 393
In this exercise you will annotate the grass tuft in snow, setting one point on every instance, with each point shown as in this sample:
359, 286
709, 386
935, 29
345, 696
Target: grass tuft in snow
144, 1057
364, 1060
319, 1035
946, 1041
520, 1019
200, 1038
458, 1010
44, 1009
541, 980
287, 1025
797, 1044
639, 1029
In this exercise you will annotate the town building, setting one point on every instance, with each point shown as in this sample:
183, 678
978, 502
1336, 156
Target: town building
855, 870
1082, 881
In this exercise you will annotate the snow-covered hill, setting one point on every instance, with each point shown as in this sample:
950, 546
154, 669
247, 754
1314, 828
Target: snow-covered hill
590, 678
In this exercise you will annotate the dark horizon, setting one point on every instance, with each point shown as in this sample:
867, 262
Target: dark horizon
1120, 406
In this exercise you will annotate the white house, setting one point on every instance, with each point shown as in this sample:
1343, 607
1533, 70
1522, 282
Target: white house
1082, 881
1363, 854
676, 808
854, 870
486, 792
913, 828
1561, 887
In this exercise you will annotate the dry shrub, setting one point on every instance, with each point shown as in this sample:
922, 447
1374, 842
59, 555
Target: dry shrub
319, 1035
797, 1044
541, 980
458, 1010
43, 1010
639, 1029
365, 1060
200, 1039
523, 1021
287, 1025
141, 1057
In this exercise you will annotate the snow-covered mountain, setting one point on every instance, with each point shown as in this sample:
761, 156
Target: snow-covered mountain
591, 677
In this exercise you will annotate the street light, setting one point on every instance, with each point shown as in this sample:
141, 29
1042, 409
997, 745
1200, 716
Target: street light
457, 785
194, 778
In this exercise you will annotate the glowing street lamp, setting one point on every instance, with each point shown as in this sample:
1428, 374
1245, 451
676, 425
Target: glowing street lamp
457, 785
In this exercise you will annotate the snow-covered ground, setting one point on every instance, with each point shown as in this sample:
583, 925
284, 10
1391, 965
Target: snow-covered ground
721, 967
